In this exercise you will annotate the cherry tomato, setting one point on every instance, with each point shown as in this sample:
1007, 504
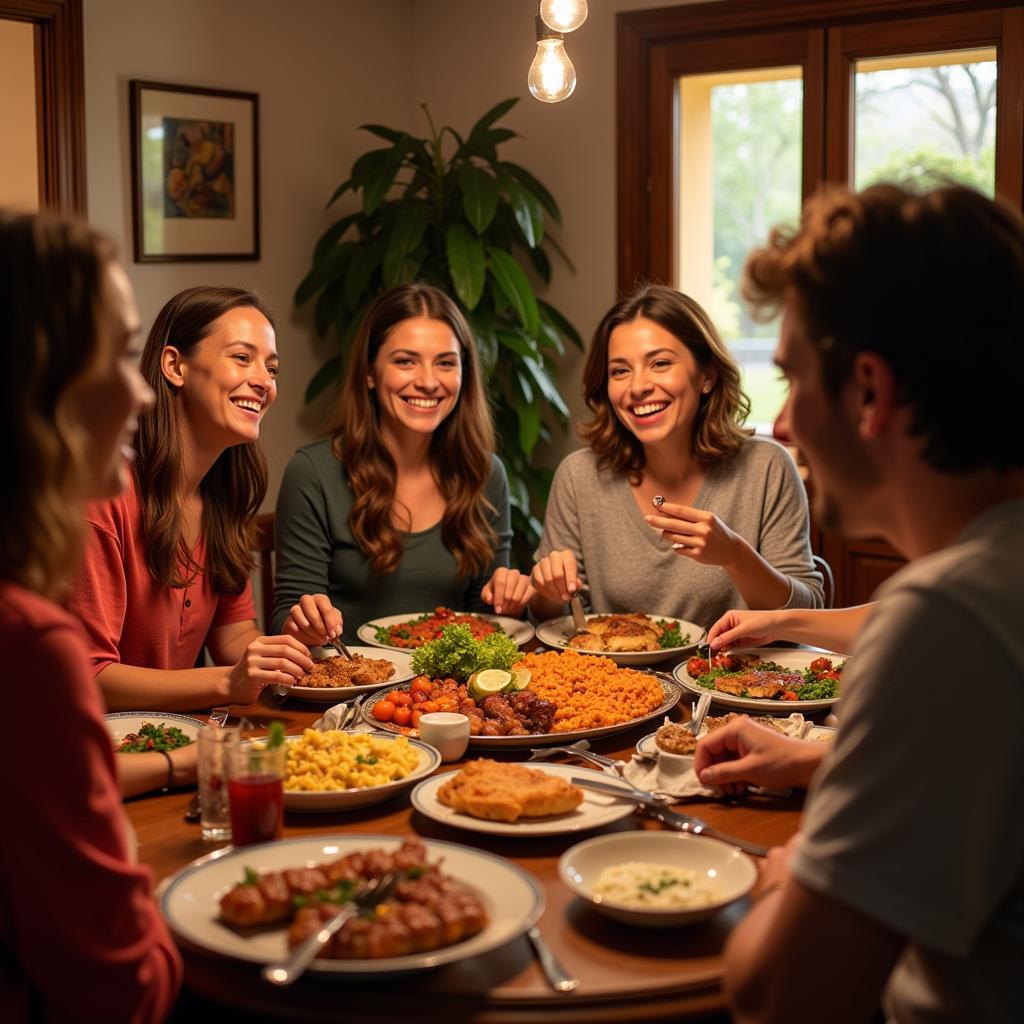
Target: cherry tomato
421, 684
400, 698
384, 711
416, 716
402, 716
820, 665
697, 667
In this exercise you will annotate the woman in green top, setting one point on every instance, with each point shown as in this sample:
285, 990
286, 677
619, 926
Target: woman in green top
404, 505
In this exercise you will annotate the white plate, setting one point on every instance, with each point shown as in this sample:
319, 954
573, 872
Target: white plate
595, 811
797, 659
121, 723
672, 691
815, 733
345, 799
731, 870
402, 661
556, 632
521, 632
189, 900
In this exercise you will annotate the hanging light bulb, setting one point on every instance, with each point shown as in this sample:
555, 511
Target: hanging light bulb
552, 77
563, 15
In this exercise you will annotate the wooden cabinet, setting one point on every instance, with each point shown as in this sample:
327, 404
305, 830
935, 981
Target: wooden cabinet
859, 566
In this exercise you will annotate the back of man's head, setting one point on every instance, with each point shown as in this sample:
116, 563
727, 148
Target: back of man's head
934, 283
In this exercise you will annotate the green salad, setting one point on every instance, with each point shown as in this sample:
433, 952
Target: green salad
153, 737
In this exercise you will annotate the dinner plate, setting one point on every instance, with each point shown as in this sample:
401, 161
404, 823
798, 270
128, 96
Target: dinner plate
121, 723
189, 900
798, 659
596, 810
402, 661
521, 632
556, 632
322, 801
672, 691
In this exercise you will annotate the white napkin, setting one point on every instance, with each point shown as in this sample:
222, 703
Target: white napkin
684, 783
332, 717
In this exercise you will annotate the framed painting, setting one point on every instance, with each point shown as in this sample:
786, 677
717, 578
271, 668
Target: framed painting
195, 173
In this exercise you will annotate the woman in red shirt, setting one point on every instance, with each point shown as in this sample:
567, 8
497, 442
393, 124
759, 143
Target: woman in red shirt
79, 933
167, 563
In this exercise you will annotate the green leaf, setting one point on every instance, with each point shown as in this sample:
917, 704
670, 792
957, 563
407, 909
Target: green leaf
515, 285
391, 134
528, 213
330, 303
331, 235
406, 234
479, 196
380, 181
496, 113
525, 386
546, 386
562, 325
541, 263
550, 338
529, 425
329, 373
561, 252
518, 343
365, 261
339, 191
531, 184
466, 264
332, 266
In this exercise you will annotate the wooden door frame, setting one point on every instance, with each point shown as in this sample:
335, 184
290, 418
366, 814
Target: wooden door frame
60, 98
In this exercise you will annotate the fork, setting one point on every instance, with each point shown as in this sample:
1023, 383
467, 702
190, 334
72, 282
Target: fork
287, 971
576, 750
700, 713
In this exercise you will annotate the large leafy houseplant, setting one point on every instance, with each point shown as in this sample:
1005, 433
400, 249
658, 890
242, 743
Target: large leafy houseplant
448, 211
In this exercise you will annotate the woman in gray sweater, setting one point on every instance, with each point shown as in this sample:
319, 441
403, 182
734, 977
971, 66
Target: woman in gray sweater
674, 509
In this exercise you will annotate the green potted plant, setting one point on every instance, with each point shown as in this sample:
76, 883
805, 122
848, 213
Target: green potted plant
447, 210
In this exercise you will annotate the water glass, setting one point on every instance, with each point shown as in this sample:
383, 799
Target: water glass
212, 770
256, 776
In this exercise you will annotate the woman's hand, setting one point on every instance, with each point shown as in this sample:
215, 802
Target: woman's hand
508, 591
267, 659
554, 576
697, 534
314, 620
738, 628
743, 753
184, 763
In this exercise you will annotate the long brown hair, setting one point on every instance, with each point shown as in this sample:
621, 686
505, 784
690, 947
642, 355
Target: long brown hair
463, 444
717, 429
236, 483
51, 279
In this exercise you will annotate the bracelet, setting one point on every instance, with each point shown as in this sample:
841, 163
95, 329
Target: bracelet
170, 771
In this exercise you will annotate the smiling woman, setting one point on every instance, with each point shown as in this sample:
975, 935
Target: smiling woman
168, 562
404, 506
674, 509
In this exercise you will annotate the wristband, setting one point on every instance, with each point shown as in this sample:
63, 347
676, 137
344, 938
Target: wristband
170, 771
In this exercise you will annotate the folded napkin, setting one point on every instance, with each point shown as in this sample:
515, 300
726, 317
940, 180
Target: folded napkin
681, 781
332, 717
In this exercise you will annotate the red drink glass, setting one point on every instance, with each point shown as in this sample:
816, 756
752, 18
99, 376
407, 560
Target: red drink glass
256, 793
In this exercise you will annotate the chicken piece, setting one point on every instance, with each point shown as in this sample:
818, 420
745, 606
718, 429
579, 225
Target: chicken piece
758, 685
535, 713
586, 641
507, 792
498, 708
626, 634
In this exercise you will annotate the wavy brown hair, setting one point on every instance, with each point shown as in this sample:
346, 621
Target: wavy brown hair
717, 431
232, 490
51, 280
463, 445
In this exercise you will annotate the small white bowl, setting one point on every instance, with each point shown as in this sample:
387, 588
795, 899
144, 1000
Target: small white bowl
733, 872
447, 732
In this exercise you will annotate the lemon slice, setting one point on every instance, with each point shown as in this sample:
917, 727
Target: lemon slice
521, 678
488, 682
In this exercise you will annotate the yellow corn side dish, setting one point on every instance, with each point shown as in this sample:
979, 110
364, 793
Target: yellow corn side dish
320, 761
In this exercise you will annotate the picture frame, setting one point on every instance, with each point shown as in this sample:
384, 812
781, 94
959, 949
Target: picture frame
195, 173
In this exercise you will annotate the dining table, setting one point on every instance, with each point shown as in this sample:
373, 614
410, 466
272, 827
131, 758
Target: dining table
626, 973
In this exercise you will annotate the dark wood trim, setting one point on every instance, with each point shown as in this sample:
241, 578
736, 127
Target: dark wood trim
1010, 110
60, 95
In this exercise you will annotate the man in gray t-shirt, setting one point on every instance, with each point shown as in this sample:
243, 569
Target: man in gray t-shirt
905, 887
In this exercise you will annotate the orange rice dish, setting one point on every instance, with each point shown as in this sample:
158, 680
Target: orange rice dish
590, 692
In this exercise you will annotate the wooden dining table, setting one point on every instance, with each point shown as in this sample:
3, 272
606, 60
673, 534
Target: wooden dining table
626, 973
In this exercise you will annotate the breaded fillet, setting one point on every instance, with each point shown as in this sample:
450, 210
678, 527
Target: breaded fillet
359, 671
586, 641
626, 634
759, 685
507, 792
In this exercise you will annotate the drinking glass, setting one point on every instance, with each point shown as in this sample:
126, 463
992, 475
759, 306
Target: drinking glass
256, 775
212, 771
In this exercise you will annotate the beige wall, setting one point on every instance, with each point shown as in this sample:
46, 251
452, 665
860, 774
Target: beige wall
19, 156
321, 68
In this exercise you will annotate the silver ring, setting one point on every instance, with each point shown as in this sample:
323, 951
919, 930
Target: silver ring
677, 546
658, 501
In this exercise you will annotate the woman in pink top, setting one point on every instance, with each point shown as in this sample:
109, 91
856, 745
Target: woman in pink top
167, 564
79, 933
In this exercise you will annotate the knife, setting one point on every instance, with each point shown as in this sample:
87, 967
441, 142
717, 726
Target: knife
655, 806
